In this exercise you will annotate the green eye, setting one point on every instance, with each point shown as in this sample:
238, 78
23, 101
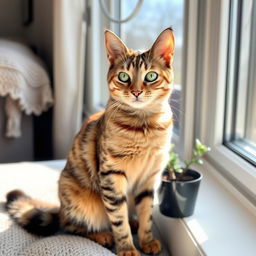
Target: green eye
151, 76
123, 77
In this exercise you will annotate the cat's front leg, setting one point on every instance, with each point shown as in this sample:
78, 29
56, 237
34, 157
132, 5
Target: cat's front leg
114, 195
144, 205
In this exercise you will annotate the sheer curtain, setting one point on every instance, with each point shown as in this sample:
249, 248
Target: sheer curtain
69, 55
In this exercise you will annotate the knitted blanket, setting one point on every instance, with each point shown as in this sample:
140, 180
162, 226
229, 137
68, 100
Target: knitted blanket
25, 82
39, 181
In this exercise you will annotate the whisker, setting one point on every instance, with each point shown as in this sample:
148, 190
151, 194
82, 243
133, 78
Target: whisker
174, 100
177, 109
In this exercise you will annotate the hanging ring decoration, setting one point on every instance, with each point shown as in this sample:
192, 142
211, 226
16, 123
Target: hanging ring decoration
129, 17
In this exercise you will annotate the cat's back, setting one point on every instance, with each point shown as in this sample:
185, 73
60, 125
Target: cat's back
85, 142
82, 162
91, 122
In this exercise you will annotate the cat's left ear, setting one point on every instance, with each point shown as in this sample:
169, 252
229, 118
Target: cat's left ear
163, 47
115, 47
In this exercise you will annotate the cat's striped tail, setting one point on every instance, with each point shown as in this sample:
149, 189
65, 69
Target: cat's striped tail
34, 216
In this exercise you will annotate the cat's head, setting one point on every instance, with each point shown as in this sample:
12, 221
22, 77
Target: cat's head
140, 80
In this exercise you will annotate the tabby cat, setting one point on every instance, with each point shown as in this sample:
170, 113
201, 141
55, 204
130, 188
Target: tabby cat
116, 156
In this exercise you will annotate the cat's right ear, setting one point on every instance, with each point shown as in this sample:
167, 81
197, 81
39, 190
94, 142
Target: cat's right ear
115, 47
163, 47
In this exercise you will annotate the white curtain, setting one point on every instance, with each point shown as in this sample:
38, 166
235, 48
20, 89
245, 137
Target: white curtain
69, 49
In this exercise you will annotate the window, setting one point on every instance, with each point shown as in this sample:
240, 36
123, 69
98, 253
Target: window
223, 115
240, 124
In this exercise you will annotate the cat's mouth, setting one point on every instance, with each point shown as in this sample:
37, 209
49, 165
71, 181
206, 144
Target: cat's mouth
137, 100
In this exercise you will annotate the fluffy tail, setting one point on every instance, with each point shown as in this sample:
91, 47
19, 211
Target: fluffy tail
34, 216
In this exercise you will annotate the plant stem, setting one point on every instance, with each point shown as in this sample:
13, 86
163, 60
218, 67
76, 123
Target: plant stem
186, 167
193, 160
172, 175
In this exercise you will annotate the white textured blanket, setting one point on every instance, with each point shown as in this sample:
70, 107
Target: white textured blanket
24, 81
40, 181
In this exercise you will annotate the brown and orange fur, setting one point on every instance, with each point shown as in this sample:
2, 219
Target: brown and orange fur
116, 157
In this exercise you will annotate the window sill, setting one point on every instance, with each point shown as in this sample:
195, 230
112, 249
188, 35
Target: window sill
224, 222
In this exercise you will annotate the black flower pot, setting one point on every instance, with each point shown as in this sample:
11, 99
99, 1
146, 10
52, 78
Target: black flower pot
177, 198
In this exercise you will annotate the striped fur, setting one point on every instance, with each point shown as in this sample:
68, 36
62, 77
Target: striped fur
115, 158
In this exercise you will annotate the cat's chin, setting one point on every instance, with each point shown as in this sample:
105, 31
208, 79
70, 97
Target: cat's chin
138, 104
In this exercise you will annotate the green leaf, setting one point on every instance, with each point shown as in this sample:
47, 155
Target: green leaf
195, 153
203, 148
176, 167
174, 161
186, 162
200, 162
179, 170
198, 143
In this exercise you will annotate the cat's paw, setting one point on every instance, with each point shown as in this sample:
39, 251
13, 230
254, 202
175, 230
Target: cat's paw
152, 247
105, 239
132, 252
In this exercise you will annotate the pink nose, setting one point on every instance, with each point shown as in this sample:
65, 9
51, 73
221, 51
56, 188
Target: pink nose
136, 93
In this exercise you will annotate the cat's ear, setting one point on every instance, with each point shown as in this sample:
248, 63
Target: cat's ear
163, 47
115, 47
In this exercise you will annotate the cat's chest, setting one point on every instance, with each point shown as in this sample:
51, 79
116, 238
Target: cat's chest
137, 151
138, 145
138, 155
145, 163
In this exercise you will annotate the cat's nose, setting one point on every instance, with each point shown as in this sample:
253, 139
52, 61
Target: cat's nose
136, 93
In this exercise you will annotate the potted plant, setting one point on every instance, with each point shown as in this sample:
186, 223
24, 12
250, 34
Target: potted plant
180, 183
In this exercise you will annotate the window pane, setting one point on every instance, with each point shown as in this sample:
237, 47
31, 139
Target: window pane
140, 33
240, 122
